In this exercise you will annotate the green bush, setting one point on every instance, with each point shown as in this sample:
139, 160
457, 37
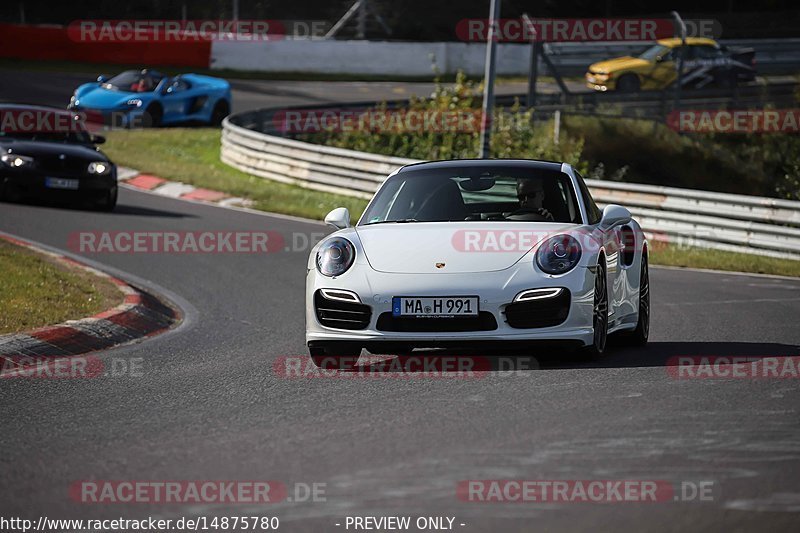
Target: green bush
514, 134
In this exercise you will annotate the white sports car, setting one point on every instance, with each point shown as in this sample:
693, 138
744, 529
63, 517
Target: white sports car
477, 254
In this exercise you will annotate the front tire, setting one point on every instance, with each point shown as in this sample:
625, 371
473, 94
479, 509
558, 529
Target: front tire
629, 83
221, 110
639, 336
599, 313
108, 202
728, 81
153, 116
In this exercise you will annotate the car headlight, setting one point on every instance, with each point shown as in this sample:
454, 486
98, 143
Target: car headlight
335, 256
99, 167
15, 160
134, 102
558, 254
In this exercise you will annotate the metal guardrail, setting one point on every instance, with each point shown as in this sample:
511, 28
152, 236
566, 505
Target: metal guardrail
750, 224
309, 165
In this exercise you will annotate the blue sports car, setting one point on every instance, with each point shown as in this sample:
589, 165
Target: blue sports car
148, 98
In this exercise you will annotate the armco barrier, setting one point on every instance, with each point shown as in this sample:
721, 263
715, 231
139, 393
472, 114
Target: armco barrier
732, 222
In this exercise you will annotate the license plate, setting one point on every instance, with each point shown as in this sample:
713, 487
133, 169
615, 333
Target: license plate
61, 183
438, 306
590, 79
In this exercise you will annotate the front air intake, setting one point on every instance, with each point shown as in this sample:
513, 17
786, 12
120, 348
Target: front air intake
539, 312
339, 314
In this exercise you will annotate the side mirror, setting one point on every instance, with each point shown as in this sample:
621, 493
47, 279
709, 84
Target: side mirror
98, 139
339, 218
659, 59
614, 215
102, 78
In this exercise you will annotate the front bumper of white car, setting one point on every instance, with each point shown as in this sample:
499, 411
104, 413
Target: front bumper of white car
565, 318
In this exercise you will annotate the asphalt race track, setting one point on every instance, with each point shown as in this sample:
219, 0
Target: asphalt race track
55, 89
208, 405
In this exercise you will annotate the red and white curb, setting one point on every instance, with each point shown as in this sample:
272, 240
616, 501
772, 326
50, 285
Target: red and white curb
140, 315
175, 189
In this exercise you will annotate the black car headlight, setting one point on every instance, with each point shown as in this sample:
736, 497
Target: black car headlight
558, 254
99, 168
335, 256
16, 160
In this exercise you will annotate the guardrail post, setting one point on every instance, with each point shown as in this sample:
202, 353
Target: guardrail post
681, 55
488, 89
556, 126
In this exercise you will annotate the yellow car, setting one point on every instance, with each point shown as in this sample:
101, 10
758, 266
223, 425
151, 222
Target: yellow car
705, 63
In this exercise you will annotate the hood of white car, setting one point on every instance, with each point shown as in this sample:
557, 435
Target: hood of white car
447, 247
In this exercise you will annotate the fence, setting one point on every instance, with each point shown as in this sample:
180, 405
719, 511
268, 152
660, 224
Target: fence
391, 58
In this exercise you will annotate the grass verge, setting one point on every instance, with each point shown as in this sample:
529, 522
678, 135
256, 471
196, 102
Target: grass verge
37, 291
192, 156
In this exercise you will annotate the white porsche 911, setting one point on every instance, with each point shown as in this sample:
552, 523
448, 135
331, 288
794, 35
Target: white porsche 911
477, 255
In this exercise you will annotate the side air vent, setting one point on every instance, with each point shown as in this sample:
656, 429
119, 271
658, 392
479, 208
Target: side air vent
629, 240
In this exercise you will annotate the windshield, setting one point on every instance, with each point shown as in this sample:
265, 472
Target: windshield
39, 125
77, 137
653, 52
475, 194
134, 81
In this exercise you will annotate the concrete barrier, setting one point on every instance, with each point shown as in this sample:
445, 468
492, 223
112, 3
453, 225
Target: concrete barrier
391, 58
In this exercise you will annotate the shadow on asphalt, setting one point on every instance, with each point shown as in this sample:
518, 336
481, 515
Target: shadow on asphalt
655, 354
667, 353
261, 88
121, 209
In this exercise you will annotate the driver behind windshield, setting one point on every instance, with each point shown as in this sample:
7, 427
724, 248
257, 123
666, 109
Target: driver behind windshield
530, 192
145, 83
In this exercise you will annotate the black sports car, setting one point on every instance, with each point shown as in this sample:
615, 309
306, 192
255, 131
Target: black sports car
47, 153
